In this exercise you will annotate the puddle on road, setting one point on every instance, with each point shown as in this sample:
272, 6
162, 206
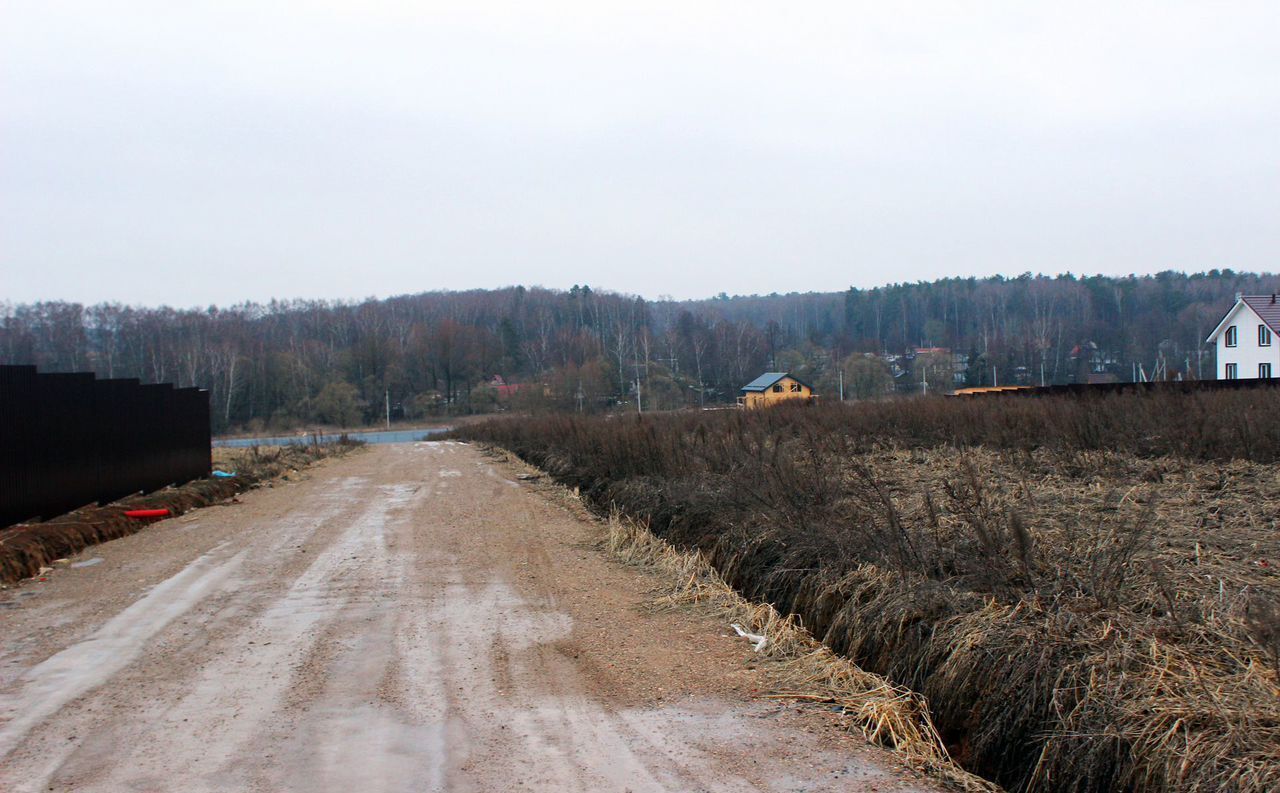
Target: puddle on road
89, 663
16, 599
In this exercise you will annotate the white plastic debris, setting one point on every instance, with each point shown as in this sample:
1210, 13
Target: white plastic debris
754, 637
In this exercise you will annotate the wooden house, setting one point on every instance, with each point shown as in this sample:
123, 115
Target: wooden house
771, 388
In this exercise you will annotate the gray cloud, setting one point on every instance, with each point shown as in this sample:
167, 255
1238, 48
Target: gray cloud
183, 154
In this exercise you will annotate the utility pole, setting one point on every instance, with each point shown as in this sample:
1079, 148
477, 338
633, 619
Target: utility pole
840, 372
639, 401
388, 397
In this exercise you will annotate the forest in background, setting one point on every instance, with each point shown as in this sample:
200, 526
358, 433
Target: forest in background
287, 364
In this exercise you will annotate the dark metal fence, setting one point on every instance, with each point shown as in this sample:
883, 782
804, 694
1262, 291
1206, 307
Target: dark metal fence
1154, 387
67, 440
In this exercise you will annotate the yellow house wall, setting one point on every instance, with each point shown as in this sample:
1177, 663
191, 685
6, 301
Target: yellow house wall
756, 400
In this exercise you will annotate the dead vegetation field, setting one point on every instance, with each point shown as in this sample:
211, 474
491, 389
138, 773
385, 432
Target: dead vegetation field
1080, 611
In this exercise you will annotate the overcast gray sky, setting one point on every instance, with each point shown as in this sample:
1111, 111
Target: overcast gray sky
190, 153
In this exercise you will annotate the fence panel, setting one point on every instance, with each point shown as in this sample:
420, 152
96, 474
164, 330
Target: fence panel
19, 474
67, 440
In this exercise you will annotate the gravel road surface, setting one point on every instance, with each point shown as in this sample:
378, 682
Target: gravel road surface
409, 618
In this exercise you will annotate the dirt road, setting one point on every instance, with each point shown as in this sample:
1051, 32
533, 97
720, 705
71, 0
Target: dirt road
405, 619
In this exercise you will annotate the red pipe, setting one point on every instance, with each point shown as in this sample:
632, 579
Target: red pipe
146, 513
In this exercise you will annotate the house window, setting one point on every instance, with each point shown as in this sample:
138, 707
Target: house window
777, 389
1264, 371
1231, 336
795, 388
1233, 371
1264, 336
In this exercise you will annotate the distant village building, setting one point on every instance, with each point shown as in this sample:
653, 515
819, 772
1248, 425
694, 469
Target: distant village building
934, 370
772, 388
1246, 339
1087, 361
503, 389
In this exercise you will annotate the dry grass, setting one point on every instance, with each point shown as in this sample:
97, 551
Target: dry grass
887, 715
1076, 618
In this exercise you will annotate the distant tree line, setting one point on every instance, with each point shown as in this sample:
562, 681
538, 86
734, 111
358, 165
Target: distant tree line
287, 364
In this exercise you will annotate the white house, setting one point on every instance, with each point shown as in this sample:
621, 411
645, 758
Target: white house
1248, 339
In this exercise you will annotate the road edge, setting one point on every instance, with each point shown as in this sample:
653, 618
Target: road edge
886, 714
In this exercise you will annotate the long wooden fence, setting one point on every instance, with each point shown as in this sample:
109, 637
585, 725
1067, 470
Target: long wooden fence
67, 440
